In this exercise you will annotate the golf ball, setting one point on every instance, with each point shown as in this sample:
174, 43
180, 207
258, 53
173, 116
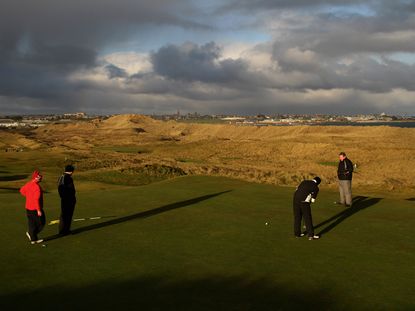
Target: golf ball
43, 245
266, 224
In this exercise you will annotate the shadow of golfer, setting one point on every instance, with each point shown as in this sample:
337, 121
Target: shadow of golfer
13, 177
411, 199
359, 203
141, 215
10, 189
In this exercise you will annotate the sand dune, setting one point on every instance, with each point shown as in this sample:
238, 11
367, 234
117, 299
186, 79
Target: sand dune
280, 155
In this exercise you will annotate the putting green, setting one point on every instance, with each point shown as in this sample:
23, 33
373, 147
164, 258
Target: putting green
201, 243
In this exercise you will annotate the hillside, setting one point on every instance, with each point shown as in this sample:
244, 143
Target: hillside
385, 156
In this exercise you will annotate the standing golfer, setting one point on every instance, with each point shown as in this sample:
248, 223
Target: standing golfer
34, 207
66, 189
304, 195
345, 175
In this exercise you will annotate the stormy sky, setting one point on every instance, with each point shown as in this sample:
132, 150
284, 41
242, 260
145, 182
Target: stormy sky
209, 56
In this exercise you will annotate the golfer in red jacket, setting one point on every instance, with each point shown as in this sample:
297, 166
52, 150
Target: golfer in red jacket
34, 207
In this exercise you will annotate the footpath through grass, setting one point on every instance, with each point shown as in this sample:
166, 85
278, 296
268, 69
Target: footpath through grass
201, 243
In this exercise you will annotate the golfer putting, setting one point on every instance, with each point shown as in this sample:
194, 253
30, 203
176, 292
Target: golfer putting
304, 195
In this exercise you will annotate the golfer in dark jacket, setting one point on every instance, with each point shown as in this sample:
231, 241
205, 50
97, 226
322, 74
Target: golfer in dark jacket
67, 192
304, 195
345, 175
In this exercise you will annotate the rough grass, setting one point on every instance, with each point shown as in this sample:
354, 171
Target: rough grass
328, 163
274, 155
136, 176
201, 243
125, 149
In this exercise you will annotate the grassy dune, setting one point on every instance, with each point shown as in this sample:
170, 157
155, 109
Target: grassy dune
275, 155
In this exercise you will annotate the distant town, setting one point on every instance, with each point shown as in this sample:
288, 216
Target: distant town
35, 121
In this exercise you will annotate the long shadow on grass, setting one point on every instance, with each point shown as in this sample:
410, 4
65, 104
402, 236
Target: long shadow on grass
359, 203
13, 177
140, 215
165, 293
10, 189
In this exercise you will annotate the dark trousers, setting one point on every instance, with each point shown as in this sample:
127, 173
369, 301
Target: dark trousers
302, 210
35, 224
65, 220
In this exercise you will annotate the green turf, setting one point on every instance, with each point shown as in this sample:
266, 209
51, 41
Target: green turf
201, 243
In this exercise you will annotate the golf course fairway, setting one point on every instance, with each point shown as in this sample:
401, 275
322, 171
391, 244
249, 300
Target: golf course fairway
202, 243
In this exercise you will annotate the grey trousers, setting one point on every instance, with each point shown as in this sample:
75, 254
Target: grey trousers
345, 188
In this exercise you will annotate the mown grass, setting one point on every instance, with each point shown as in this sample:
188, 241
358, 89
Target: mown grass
201, 243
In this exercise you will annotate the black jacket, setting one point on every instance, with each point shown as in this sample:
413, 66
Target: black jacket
304, 189
66, 188
345, 170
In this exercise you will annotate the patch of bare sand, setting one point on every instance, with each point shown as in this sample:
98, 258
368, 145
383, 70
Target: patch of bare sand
15, 140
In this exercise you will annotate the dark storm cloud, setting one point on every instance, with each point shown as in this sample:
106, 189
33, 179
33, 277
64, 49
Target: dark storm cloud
362, 73
26, 81
51, 53
372, 26
194, 90
60, 57
298, 70
333, 36
42, 42
191, 62
348, 51
86, 22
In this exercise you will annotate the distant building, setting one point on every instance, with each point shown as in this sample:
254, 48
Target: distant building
76, 115
233, 119
8, 123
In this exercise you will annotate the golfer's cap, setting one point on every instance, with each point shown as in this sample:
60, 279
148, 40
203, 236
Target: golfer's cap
36, 174
69, 168
317, 180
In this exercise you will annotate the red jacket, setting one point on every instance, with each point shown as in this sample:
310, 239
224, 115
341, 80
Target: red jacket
34, 196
